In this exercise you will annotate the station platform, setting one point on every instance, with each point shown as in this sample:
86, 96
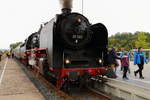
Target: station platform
14, 84
132, 89
136, 80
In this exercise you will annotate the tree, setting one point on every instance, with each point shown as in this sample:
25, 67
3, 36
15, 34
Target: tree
130, 41
141, 41
14, 45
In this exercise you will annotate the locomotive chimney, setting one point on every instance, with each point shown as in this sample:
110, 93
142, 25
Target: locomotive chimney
66, 6
66, 10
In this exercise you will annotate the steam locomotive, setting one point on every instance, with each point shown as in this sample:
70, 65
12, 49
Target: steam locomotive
66, 49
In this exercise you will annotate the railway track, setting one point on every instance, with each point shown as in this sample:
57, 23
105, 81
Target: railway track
87, 94
98, 87
51, 93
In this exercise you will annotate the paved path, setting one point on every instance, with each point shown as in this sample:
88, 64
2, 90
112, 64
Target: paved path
135, 80
14, 84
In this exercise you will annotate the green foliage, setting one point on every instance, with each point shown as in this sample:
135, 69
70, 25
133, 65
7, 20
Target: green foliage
130, 41
141, 41
14, 45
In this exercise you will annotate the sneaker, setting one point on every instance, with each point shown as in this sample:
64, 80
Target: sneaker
129, 72
125, 78
135, 73
142, 77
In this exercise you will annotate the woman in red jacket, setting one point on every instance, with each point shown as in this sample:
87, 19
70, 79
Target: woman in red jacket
125, 64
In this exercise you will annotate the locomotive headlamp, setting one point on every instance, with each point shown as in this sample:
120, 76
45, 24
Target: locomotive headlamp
41, 59
79, 20
67, 61
100, 60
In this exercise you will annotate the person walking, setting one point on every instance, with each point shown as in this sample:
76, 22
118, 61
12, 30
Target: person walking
139, 60
112, 59
8, 54
1, 55
125, 64
122, 54
129, 55
12, 54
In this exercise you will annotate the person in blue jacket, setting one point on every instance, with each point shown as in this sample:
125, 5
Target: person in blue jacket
139, 60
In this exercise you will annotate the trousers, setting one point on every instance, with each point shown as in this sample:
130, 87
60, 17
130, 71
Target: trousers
140, 69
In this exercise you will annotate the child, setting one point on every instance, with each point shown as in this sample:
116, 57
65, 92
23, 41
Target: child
125, 64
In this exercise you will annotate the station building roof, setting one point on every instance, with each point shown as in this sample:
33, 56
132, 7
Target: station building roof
143, 50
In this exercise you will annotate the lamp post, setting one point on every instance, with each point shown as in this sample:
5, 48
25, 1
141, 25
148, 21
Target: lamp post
82, 6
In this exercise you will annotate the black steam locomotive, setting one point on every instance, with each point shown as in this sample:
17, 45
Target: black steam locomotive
67, 48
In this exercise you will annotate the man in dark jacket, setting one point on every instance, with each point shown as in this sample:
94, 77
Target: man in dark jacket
1, 55
112, 56
112, 59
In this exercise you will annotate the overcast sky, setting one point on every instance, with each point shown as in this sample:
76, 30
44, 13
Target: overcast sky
19, 18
